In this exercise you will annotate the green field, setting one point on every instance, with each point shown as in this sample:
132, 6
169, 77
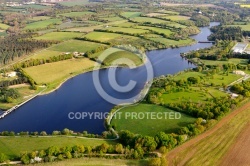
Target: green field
131, 14
60, 36
34, 6
127, 30
233, 60
74, 3
76, 14
149, 126
244, 27
58, 71
155, 14
75, 45
169, 12
42, 24
4, 26
98, 162
39, 18
44, 54
13, 146
126, 24
170, 42
125, 57
111, 19
102, 36
193, 95
177, 17
217, 79
159, 30
148, 19
91, 28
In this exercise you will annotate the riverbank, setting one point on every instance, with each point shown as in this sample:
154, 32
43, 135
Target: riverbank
56, 85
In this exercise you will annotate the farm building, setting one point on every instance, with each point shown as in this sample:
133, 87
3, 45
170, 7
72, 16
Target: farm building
11, 74
239, 72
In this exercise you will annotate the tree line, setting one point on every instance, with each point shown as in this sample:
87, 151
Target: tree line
225, 33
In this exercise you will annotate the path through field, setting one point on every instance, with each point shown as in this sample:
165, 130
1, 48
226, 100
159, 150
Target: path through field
210, 147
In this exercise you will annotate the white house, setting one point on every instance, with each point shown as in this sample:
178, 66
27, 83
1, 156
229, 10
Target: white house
11, 74
239, 72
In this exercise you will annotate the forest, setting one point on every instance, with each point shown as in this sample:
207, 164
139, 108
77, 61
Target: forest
16, 46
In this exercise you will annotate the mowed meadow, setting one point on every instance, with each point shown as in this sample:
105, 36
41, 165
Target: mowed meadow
13, 146
57, 71
169, 123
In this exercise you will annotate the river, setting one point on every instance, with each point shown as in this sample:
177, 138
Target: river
78, 94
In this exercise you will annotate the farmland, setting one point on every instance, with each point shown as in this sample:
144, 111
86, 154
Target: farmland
44, 54
177, 17
13, 146
76, 14
102, 36
217, 79
210, 147
39, 18
245, 26
57, 71
148, 126
159, 30
170, 42
73, 3
42, 24
75, 45
127, 30
148, 19
59, 36
91, 28
233, 61
125, 57
131, 14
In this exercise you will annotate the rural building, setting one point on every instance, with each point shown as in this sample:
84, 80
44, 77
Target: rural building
233, 95
239, 72
240, 48
11, 74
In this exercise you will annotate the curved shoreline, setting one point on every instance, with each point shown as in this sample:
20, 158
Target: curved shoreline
92, 69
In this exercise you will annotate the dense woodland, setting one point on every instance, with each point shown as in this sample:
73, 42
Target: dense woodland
226, 33
13, 47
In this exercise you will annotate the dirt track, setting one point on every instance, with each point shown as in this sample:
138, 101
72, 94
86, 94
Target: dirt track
172, 154
239, 152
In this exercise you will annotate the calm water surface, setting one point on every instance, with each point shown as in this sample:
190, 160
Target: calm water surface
50, 112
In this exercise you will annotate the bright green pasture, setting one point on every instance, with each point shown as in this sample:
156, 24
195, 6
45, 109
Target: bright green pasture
75, 45
42, 24
102, 36
60, 36
149, 125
